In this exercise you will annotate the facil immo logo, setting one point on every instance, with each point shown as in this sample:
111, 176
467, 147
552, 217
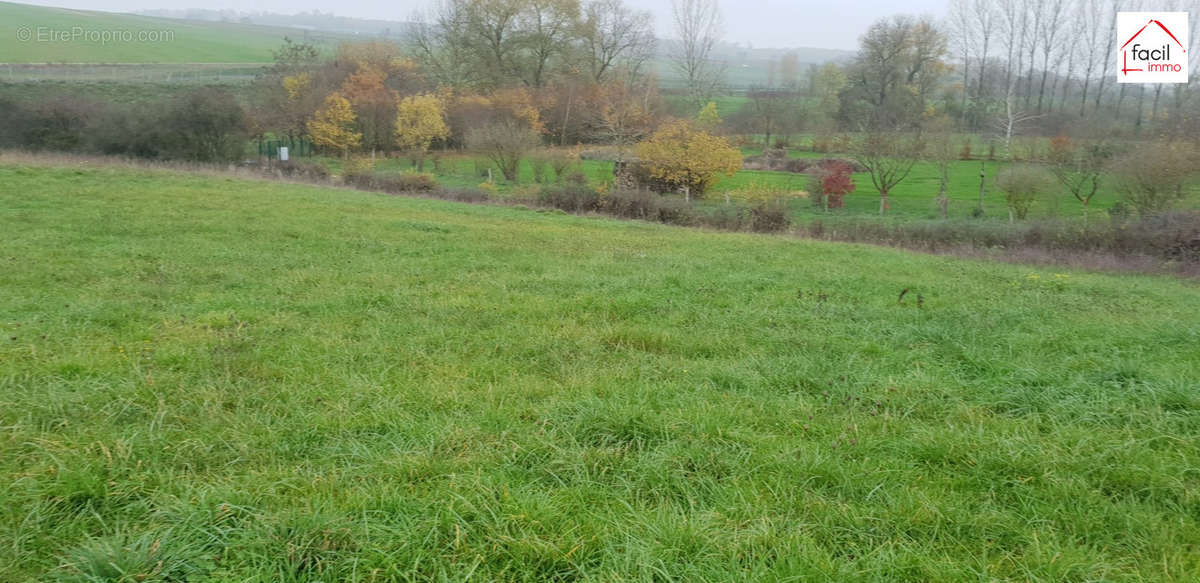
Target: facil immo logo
1152, 47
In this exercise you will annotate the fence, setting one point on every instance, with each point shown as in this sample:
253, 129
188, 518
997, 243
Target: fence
197, 73
297, 147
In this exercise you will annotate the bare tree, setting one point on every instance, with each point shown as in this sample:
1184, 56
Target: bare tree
1033, 10
698, 24
1081, 171
986, 25
1011, 13
440, 41
1013, 121
615, 36
1049, 15
1093, 45
505, 142
962, 39
889, 158
941, 152
1110, 13
545, 27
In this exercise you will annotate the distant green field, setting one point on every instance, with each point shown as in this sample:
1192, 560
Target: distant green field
31, 34
207, 378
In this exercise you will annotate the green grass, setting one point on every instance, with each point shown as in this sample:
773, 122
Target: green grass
188, 41
238, 380
912, 199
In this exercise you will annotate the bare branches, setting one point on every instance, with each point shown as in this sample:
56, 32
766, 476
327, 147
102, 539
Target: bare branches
699, 26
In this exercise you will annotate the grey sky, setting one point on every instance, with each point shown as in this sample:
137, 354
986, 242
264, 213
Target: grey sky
834, 24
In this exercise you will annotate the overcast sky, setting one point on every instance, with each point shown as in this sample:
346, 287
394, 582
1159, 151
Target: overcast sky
834, 24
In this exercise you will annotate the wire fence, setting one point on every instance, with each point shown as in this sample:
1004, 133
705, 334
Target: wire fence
195, 73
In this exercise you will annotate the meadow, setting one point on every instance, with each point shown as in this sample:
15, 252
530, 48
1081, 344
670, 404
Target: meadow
209, 378
912, 199
26, 32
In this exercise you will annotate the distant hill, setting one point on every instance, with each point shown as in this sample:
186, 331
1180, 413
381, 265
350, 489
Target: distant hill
212, 36
27, 35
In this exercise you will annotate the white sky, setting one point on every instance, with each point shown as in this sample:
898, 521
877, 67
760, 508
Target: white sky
833, 24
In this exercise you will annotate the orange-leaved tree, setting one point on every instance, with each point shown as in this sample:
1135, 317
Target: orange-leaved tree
332, 126
687, 159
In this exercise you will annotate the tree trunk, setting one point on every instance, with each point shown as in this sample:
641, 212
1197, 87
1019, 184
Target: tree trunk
1154, 110
883, 201
982, 183
1083, 101
943, 201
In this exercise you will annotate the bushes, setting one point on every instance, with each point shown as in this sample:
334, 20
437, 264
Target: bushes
391, 183
1168, 236
573, 199
307, 171
1153, 176
631, 204
205, 125
1022, 185
770, 216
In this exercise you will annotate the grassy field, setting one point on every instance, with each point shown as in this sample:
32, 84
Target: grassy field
27, 35
205, 377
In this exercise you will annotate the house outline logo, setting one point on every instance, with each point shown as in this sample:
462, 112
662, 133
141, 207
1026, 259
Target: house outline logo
1152, 47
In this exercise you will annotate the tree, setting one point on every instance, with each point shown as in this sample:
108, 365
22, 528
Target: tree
332, 126
546, 26
505, 142
832, 183
1154, 175
209, 126
986, 24
771, 111
1079, 170
622, 118
492, 27
374, 105
709, 119
441, 40
698, 25
898, 66
686, 158
420, 119
1093, 45
789, 71
1048, 29
1022, 185
827, 84
889, 158
942, 152
294, 57
615, 36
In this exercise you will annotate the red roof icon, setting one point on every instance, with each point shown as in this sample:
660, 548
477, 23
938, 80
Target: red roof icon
1160, 25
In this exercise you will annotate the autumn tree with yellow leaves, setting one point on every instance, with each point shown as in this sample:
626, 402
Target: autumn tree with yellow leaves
687, 159
333, 125
420, 120
709, 119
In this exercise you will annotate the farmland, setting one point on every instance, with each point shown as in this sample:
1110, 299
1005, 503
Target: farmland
208, 377
28, 35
